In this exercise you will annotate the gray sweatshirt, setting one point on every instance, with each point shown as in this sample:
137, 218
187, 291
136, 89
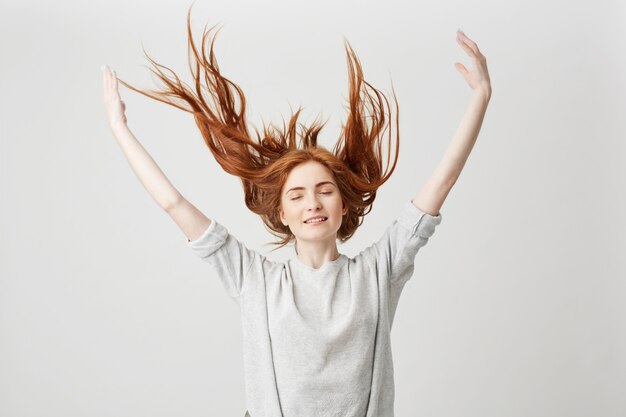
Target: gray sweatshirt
316, 342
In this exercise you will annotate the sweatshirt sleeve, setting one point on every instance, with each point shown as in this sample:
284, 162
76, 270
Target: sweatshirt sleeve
396, 250
230, 259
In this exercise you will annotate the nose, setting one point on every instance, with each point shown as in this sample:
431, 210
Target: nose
314, 202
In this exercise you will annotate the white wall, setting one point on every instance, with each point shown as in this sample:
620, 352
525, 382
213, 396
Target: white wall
517, 303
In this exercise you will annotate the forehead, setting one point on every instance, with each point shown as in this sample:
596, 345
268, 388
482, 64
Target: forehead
309, 172
307, 175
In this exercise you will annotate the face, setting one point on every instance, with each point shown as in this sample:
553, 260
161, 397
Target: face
315, 194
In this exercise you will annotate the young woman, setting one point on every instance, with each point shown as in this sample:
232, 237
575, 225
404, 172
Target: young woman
316, 329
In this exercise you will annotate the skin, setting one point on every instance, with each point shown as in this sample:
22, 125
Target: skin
433, 193
317, 244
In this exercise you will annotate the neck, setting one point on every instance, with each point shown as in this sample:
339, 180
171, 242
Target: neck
316, 254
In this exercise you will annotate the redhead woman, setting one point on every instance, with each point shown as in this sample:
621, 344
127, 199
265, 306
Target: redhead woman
316, 328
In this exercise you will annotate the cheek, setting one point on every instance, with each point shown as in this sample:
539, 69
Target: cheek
338, 204
289, 212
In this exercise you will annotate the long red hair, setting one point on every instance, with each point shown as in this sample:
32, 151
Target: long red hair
264, 163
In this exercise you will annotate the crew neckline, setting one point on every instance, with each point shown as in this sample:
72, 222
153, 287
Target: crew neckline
328, 264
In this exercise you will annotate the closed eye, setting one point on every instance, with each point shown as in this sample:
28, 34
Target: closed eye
295, 198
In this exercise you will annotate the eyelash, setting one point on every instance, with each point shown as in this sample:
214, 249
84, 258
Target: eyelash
295, 198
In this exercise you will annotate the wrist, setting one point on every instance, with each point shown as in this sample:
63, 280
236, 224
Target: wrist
118, 127
484, 90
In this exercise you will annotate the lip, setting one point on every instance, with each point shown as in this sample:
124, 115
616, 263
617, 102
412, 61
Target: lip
316, 217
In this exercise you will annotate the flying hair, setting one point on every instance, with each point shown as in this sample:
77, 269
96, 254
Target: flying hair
263, 163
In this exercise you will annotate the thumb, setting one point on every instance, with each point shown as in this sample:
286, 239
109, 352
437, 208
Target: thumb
461, 68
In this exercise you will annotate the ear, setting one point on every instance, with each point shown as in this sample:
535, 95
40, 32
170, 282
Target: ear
345, 209
282, 219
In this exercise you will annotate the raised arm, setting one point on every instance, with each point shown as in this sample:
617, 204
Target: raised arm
191, 221
433, 193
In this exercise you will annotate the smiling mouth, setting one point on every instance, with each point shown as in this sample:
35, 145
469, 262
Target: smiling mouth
317, 221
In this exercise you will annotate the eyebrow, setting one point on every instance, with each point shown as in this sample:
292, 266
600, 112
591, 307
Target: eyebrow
316, 185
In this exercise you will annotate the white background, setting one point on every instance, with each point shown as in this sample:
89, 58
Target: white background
517, 304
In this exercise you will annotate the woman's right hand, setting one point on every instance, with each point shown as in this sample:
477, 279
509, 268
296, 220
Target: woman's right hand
113, 103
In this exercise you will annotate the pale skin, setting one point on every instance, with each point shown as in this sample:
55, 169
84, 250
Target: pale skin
316, 244
433, 193
316, 194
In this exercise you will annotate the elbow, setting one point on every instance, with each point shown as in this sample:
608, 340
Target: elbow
171, 203
446, 182
450, 181
446, 175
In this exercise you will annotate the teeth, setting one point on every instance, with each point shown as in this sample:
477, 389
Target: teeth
316, 220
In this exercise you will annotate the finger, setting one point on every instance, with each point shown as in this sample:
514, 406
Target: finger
461, 68
110, 79
112, 92
117, 86
107, 84
466, 47
115, 83
471, 44
471, 52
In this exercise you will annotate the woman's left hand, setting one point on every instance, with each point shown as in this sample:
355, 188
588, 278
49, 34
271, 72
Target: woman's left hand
478, 76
